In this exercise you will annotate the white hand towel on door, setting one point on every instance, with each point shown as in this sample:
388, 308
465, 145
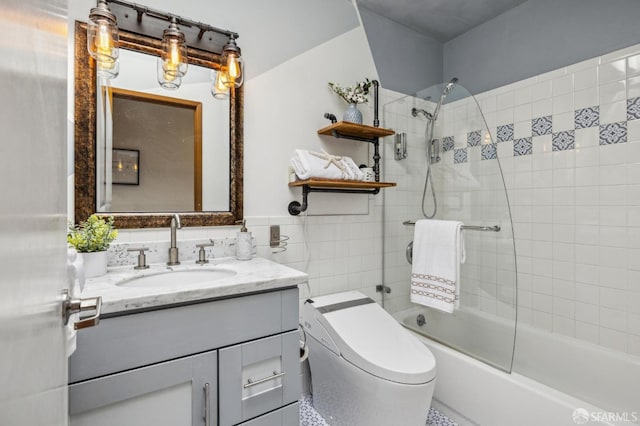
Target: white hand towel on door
438, 251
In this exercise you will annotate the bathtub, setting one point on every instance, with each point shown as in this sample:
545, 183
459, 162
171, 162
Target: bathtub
580, 379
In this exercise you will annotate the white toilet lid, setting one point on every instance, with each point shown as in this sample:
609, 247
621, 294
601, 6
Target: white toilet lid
371, 339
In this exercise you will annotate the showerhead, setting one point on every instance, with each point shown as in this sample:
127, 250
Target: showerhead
449, 86
445, 91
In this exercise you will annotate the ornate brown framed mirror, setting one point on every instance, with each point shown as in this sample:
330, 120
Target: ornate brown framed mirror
85, 150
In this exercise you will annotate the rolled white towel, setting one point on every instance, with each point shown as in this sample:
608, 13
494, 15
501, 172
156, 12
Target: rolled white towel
310, 164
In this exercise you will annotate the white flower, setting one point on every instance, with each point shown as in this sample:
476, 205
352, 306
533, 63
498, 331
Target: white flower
354, 95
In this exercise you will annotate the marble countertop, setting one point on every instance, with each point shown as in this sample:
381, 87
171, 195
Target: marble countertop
257, 274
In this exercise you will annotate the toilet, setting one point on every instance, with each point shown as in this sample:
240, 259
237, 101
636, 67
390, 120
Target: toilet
366, 369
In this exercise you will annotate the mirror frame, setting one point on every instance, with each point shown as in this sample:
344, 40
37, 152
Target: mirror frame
85, 140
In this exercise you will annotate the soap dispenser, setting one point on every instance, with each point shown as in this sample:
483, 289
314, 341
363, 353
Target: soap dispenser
243, 243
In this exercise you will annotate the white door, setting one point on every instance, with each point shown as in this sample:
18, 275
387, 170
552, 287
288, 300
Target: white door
33, 158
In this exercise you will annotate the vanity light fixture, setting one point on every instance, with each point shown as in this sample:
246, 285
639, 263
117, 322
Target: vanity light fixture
231, 64
218, 89
174, 52
102, 39
102, 42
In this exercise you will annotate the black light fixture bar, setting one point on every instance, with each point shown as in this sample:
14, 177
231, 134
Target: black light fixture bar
197, 34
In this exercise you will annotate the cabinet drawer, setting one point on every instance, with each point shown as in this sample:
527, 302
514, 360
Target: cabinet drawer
285, 416
174, 393
130, 341
257, 377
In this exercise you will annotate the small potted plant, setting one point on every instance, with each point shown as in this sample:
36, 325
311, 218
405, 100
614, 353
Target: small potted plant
353, 95
92, 238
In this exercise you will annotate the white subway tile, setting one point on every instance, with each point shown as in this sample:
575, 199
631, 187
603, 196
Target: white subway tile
613, 92
633, 65
587, 234
542, 320
563, 121
611, 71
633, 87
612, 174
562, 103
613, 319
542, 231
505, 100
613, 112
587, 313
586, 78
562, 85
613, 195
587, 293
586, 254
613, 339
586, 98
542, 90
542, 107
587, 332
587, 215
613, 236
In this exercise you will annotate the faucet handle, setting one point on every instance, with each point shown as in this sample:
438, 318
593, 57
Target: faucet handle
202, 254
142, 258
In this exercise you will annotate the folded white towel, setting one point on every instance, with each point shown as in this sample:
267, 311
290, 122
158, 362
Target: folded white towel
321, 165
438, 251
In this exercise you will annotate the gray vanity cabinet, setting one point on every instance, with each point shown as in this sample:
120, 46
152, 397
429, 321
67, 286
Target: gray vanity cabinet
219, 362
182, 392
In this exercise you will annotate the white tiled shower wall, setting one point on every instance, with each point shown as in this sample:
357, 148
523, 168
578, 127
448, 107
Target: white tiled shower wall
569, 148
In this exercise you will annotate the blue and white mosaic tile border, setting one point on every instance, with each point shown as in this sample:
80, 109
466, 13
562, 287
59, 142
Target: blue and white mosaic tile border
584, 118
310, 417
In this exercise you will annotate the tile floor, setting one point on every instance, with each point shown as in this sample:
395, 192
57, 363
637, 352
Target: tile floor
310, 417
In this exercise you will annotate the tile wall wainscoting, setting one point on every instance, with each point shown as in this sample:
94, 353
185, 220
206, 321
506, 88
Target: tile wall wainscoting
569, 148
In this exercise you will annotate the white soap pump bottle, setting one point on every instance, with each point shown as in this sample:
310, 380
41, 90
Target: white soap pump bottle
243, 243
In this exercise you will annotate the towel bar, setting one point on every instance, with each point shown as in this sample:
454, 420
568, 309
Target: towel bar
495, 228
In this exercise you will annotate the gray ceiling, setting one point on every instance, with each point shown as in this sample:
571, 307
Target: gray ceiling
442, 19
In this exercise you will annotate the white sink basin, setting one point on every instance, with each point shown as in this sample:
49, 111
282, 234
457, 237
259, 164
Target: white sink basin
178, 278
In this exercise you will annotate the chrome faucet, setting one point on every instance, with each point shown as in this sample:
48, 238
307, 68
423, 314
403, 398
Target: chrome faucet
173, 250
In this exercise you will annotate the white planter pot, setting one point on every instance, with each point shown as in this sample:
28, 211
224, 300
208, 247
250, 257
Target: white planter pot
95, 263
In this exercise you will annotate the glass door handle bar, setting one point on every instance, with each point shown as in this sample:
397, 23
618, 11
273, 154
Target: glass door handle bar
495, 228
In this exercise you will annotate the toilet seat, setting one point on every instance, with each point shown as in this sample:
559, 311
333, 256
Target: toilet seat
371, 339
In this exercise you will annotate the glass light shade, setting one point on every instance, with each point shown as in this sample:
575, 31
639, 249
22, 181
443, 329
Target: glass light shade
174, 52
108, 69
233, 64
167, 80
102, 36
218, 89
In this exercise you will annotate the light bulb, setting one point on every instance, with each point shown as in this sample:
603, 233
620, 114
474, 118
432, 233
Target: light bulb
218, 88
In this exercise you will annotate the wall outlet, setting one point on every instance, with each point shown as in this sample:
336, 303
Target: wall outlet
274, 236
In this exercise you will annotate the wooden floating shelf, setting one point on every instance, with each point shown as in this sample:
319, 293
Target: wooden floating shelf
354, 129
356, 184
